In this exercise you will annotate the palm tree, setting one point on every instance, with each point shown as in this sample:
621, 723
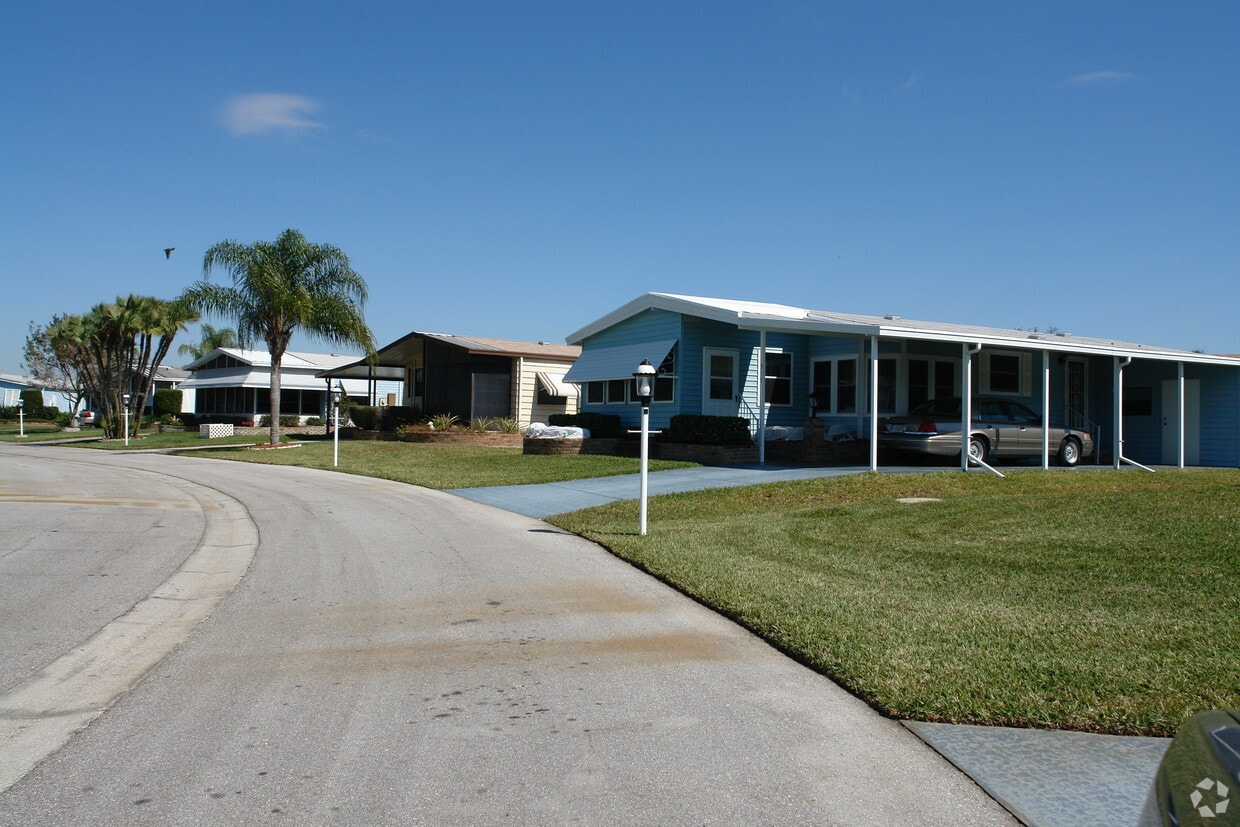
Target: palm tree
279, 288
212, 339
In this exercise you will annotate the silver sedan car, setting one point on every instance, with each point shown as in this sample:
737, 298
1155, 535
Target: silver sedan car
1002, 429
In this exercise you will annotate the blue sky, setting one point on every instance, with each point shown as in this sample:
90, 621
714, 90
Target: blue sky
519, 169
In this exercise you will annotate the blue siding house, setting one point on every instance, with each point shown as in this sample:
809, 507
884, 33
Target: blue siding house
777, 365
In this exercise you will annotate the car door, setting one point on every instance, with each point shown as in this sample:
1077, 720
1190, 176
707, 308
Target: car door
1028, 429
993, 419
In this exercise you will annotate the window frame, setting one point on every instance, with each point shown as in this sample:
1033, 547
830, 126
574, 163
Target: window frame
770, 381
1023, 375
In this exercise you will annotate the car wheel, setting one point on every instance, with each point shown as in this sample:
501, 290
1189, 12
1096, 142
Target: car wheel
1070, 453
978, 448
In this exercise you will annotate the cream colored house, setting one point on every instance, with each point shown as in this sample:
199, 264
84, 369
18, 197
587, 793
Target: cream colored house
472, 376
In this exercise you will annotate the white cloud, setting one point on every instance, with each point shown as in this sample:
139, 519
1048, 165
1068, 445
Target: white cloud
1106, 76
261, 114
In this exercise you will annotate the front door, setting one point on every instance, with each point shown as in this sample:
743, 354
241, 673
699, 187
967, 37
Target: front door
1171, 422
720, 381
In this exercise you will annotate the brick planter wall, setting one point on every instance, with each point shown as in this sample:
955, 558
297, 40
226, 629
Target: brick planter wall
594, 445
707, 454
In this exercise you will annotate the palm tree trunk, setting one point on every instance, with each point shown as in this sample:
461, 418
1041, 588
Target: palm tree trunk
276, 362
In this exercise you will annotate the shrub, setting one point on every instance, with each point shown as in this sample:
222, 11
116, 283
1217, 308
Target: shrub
482, 424
708, 430
365, 417
169, 419
286, 421
32, 404
444, 422
314, 420
505, 425
394, 416
167, 402
600, 425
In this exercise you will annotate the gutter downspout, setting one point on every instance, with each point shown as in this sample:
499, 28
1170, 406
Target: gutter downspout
1180, 378
762, 397
1046, 410
966, 400
966, 405
873, 403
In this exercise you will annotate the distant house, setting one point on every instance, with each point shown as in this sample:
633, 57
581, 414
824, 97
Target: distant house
764, 362
232, 383
11, 388
472, 376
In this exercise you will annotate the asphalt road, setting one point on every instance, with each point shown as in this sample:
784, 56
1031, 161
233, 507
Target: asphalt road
373, 653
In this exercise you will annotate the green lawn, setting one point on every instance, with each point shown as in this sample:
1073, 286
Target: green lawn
1096, 600
442, 466
40, 431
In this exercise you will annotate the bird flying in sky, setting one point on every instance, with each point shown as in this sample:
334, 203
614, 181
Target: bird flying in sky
168, 252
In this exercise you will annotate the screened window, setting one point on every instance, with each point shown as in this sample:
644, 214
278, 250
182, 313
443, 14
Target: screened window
596, 393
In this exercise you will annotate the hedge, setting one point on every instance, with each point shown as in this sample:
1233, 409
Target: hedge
708, 430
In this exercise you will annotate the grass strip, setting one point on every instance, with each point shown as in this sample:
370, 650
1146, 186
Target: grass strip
1094, 600
444, 466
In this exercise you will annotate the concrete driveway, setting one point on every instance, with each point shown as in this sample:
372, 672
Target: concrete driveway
397, 655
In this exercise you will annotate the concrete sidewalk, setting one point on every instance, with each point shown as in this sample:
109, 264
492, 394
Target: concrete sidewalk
1046, 779
543, 500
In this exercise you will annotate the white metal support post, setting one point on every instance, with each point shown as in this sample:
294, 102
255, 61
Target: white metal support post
1046, 410
762, 397
126, 402
873, 403
21, 418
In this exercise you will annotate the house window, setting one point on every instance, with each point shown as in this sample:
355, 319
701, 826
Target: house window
930, 379
778, 378
665, 379
545, 398
596, 393
835, 385
617, 391
419, 382
1004, 372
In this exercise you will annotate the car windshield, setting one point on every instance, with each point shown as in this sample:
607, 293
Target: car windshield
949, 406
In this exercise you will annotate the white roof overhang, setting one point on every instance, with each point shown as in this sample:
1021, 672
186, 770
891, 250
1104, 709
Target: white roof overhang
617, 362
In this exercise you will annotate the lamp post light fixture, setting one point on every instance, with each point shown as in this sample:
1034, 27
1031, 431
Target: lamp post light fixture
813, 405
21, 418
336, 394
125, 398
643, 382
